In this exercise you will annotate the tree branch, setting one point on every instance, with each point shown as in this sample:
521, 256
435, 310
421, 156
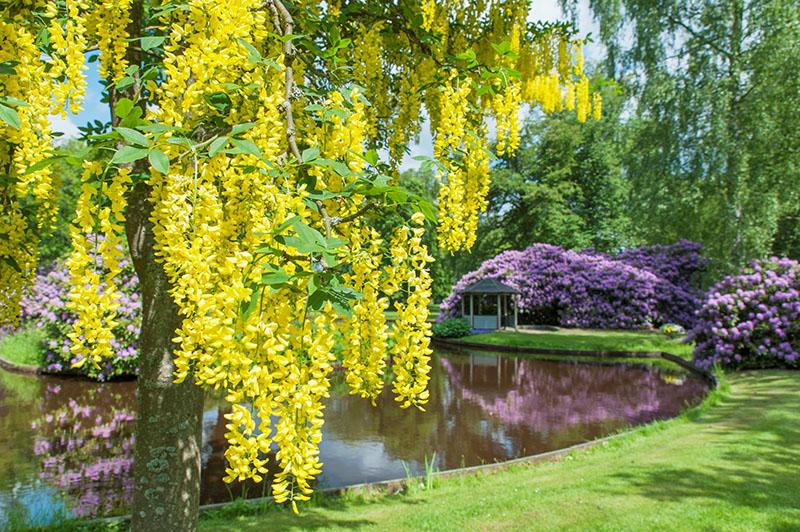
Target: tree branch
691, 31
337, 220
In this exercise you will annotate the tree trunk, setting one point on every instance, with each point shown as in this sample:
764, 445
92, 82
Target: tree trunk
168, 431
169, 423
735, 157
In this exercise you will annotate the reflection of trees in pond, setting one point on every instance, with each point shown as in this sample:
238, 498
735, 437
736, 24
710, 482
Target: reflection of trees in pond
17, 393
487, 408
84, 439
351, 419
549, 397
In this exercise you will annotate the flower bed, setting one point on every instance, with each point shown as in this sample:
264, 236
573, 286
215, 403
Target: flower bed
751, 320
640, 288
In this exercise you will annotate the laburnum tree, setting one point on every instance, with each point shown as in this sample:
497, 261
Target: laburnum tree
250, 145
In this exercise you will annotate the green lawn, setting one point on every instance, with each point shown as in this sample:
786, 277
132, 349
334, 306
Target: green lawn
23, 347
588, 340
730, 464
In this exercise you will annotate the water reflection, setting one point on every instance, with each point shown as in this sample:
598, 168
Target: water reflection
68, 444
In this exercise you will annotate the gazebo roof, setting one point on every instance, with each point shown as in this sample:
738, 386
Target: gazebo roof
489, 286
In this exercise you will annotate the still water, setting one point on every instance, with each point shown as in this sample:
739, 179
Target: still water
67, 445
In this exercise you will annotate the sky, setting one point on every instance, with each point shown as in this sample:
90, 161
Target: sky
543, 10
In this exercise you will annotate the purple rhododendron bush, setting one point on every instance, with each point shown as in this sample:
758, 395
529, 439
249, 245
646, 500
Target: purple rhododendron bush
751, 320
640, 288
44, 306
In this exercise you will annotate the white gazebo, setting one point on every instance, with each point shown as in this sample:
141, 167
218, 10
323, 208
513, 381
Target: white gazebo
490, 304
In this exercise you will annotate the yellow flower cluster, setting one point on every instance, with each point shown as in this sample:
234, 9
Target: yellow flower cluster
428, 8
366, 339
94, 295
368, 72
109, 22
69, 42
411, 334
27, 206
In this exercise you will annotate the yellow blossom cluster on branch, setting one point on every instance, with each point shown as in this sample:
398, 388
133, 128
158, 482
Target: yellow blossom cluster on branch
257, 127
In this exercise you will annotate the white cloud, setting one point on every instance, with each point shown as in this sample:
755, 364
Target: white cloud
64, 125
547, 11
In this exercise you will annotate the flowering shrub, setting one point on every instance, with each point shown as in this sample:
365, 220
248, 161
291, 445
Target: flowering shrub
640, 288
45, 307
751, 319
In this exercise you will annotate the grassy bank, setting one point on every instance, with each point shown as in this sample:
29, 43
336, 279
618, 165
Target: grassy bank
587, 340
730, 464
23, 347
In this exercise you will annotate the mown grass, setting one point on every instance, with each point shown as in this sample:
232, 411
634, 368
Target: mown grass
729, 464
587, 340
23, 347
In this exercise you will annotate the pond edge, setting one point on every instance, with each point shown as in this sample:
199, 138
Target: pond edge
393, 486
23, 369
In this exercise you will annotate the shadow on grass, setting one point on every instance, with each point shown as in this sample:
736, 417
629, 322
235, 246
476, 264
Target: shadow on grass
751, 460
319, 513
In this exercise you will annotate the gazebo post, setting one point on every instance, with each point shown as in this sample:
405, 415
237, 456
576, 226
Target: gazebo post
499, 315
516, 316
472, 310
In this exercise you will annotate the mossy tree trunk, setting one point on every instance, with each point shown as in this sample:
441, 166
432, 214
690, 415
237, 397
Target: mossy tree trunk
169, 422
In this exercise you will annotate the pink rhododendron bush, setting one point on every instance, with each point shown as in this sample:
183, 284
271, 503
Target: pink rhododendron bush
639, 288
751, 320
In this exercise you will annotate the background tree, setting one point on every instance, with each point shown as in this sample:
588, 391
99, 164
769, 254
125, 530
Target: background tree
240, 165
712, 156
565, 186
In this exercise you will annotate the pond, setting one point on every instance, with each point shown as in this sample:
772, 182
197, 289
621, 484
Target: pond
67, 445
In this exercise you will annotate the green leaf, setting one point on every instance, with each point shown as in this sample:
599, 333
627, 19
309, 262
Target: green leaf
159, 160
133, 137
133, 118
241, 128
9, 116
128, 154
148, 43
247, 147
123, 107
219, 101
286, 225
7, 67
44, 163
12, 264
371, 156
124, 83
310, 154
247, 308
12, 102
276, 278
308, 239
255, 55
428, 210
217, 145
149, 74
337, 166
